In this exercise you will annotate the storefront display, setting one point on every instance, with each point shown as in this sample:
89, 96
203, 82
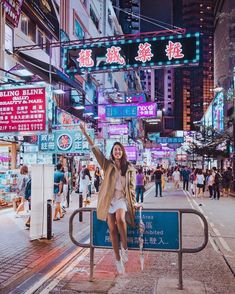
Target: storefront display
8, 184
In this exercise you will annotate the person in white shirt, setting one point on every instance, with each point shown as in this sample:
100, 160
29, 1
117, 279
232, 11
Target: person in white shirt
84, 183
176, 178
200, 183
210, 182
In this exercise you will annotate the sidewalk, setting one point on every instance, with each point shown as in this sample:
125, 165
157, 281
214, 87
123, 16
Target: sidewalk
203, 273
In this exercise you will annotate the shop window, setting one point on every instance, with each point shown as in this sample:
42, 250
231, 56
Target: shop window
94, 18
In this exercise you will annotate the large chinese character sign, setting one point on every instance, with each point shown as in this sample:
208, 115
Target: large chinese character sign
128, 54
23, 110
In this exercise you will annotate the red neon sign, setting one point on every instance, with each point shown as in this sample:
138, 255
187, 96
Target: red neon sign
23, 110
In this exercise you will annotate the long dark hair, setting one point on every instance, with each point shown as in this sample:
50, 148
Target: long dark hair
85, 173
123, 161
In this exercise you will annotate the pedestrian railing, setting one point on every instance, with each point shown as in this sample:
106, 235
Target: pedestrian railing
163, 232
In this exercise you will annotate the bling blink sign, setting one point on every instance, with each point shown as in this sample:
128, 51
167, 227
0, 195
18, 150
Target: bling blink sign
127, 54
23, 110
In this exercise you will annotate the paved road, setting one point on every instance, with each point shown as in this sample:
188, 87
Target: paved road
209, 271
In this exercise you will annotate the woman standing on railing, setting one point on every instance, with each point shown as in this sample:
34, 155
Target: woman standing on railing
116, 197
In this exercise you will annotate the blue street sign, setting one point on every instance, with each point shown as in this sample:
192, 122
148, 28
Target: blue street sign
121, 111
166, 140
161, 231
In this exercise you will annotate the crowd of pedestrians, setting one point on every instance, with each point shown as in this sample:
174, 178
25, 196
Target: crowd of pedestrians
198, 182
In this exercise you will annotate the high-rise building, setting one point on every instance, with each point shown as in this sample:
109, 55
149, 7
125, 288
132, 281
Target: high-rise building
126, 11
224, 73
193, 85
158, 83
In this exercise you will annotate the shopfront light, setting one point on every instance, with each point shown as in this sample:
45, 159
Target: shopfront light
59, 91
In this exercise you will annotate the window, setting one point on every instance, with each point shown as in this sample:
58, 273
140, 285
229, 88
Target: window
47, 49
77, 29
40, 38
24, 24
94, 18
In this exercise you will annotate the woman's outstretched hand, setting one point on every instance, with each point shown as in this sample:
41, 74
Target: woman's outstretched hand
82, 127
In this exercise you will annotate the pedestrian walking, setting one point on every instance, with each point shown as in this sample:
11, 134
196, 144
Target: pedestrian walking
58, 191
185, 177
176, 178
227, 178
140, 180
210, 183
21, 185
217, 183
64, 203
84, 184
97, 177
158, 180
116, 198
200, 183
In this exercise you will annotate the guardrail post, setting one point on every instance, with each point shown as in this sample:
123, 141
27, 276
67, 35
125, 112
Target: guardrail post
49, 219
80, 206
180, 262
92, 249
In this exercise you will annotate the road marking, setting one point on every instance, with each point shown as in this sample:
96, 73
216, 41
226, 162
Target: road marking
222, 241
62, 275
37, 285
213, 244
146, 194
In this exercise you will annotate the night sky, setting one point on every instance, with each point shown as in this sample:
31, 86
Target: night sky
157, 9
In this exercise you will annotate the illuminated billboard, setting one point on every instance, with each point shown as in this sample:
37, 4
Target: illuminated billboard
148, 109
127, 54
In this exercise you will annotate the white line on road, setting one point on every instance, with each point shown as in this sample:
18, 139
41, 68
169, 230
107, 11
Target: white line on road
222, 241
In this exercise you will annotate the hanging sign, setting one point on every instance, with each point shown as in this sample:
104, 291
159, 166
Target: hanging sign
148, 109
65, 141
23, 110
166, 140
131, 152
133, 53
135, 98
13, 10
119, 129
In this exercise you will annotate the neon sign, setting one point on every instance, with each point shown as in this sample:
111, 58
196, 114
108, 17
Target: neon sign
127, 54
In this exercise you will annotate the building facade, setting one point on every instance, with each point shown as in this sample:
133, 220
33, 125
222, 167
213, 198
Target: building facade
195, 93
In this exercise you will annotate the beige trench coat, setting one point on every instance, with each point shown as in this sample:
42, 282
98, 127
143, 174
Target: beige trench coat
108, 186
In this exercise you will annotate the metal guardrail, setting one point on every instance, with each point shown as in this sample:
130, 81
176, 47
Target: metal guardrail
179, 250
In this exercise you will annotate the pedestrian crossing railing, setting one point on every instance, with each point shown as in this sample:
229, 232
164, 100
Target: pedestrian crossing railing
155, 230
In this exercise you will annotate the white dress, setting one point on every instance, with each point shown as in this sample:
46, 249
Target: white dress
119, 198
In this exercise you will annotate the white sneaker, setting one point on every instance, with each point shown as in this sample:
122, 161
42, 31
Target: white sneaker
120, 266
124, 254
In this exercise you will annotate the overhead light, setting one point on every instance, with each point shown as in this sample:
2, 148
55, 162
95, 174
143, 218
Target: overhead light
218, 89
88, 113
59, 91
23, 72
96, 117
79, 107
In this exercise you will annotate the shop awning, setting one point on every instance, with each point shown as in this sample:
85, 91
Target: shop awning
42, 69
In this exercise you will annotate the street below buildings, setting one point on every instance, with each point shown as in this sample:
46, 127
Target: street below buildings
58, 266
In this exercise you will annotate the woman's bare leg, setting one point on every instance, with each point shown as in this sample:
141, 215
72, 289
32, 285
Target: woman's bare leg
122, 227
114, 235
